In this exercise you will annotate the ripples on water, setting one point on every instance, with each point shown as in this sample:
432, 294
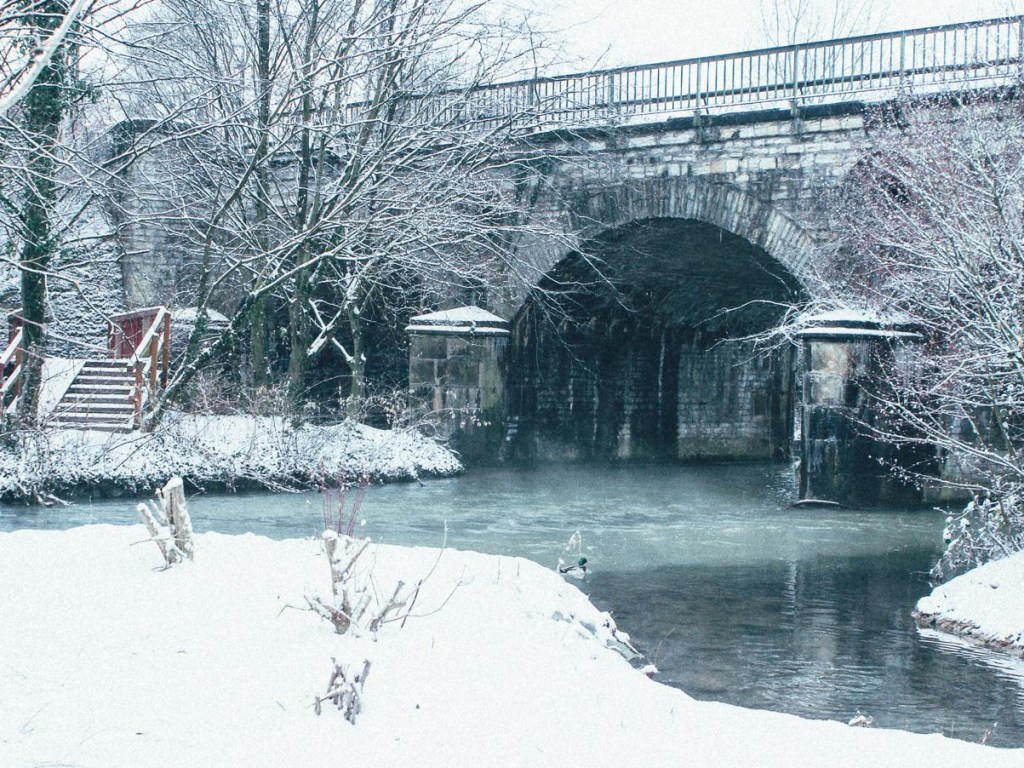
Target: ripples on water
734, 595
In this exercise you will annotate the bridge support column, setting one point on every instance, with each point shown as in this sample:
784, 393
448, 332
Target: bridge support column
455, 372
842, 460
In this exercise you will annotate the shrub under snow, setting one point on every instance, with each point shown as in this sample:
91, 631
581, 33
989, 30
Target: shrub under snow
225, 450
986, 530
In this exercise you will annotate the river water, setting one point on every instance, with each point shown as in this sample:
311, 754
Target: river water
732, 593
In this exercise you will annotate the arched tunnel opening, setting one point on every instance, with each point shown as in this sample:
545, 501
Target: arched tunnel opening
637, 347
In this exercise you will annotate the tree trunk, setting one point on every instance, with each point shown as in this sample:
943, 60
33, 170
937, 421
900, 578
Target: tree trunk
258, 342
357, 365
298, 320
298, 337
44, 107
258, 320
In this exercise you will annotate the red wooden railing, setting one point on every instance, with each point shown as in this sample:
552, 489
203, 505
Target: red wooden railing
150, 346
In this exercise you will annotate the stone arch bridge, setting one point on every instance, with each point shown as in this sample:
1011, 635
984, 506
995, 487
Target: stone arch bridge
697, 187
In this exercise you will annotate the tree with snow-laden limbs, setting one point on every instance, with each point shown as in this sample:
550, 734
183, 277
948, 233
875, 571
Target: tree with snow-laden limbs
332, 165
41, 87
930, 230
53, 52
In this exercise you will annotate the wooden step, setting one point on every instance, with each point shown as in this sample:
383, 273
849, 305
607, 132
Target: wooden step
99, 409
99, 398
103, 400
120, 363
116, 388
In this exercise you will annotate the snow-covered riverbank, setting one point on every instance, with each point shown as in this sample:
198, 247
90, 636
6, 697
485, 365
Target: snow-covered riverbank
225, 451
984, 606
106, 660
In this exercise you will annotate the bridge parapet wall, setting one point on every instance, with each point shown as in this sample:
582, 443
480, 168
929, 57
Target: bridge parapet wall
762, 177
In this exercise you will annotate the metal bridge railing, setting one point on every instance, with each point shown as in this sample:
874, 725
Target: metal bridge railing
928, 60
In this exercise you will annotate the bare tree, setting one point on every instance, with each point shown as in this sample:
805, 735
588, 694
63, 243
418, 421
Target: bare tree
931, 229
44, 80
339, 162
789, 22
30, 46
42, 88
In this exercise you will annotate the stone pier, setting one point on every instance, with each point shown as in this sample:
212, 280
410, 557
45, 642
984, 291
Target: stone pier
845, 359
455, 359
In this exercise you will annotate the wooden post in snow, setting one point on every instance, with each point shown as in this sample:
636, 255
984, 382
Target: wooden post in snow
169, 523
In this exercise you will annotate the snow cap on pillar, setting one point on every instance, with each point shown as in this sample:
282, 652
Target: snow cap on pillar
469, 320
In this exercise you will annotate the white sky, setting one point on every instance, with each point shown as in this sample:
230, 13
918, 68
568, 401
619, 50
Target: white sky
618, 32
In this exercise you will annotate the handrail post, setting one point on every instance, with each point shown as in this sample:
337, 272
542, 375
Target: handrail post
795, 102
19, 360
1020, 51
698, 94
698, 122
903, 62
138, 394
165, 363
796, 74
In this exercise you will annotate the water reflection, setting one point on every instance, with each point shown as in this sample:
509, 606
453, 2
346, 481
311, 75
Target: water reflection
825, 637
736, 596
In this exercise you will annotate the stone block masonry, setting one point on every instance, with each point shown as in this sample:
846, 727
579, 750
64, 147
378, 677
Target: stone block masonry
455, 359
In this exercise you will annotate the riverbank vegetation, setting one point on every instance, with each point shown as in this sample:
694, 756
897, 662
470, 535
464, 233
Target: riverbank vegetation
298, 179
215, 453
928, 234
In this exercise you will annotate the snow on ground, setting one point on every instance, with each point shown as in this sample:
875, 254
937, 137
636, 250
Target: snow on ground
227, 450
984, 605
107, 660
58, 373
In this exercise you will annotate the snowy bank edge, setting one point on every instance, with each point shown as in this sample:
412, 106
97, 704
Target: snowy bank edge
628, 720
984, 607
217, 453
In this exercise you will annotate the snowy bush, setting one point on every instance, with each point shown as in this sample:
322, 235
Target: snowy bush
987, 529
355, 603
344, 690
229, 451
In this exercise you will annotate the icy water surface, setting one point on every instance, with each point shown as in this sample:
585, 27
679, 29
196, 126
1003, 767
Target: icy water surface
733, 594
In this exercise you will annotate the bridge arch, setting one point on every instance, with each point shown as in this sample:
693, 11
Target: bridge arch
632, 346
598, 206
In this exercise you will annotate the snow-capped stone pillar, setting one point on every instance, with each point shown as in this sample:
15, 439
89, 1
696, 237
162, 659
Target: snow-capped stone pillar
455, 359
844, 355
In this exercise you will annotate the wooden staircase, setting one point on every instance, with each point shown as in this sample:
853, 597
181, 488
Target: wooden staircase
117, 394
101, 397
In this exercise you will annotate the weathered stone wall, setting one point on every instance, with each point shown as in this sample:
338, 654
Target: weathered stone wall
760, 176
455, 371
734, 402
641, 393
457, 374
842, 458
154, 249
